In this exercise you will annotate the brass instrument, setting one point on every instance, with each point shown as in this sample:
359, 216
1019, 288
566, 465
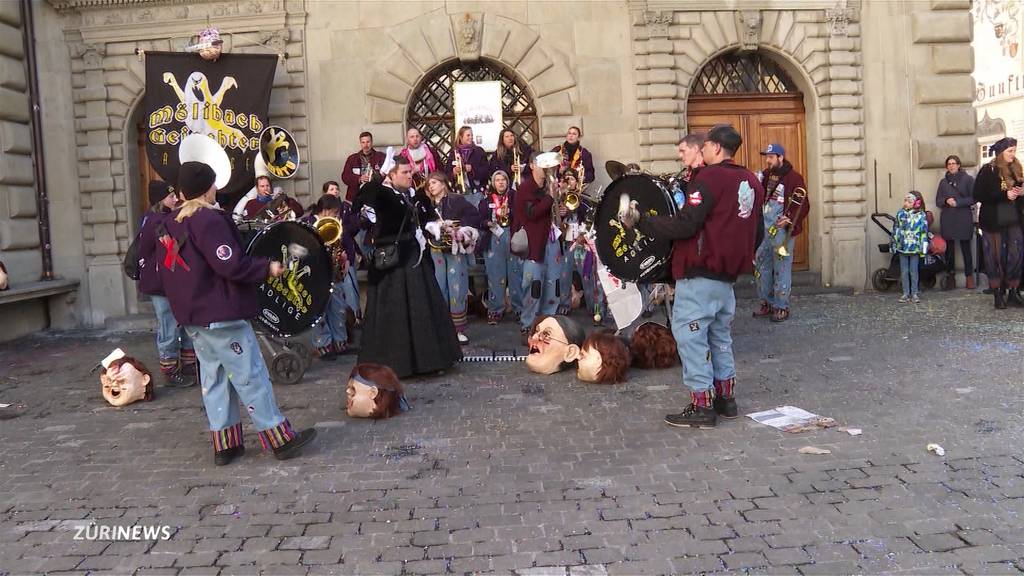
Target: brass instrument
501, 210
793, 208
445, 243
550, 162
277, 210
460, 178
329, 230
517, 178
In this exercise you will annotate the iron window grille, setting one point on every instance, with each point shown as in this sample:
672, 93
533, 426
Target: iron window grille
743, 73
432, 108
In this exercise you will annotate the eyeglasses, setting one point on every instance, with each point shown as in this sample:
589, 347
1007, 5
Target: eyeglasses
546, 337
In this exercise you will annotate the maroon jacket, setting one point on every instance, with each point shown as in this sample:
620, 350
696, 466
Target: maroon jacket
788, 180
212, 279
151, 253
716, 230
531, 209
255, 206
354, 162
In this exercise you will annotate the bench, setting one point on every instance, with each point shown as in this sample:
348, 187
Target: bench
37, 290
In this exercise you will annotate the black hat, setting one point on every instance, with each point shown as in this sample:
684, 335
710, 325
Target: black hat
1002, 144
158, 190
194, 179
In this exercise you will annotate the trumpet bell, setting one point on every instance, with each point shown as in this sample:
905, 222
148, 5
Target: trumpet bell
548, 160
329, 229
572, 201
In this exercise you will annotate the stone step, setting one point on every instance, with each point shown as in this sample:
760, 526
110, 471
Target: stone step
142, 322
804, 284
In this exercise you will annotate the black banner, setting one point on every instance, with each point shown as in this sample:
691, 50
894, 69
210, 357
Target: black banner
226, 99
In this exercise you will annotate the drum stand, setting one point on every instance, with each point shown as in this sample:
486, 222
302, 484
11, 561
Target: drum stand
287, 358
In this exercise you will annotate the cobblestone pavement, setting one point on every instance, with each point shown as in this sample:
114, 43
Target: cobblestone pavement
498, 470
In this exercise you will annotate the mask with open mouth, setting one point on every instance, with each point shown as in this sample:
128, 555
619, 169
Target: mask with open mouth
126, 380
374, 391
554, 344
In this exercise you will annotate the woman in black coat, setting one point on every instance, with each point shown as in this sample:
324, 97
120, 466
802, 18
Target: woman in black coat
406, 325
956, 221
998, 187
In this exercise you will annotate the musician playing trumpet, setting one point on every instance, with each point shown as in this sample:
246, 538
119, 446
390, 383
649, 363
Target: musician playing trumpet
330, 335
784, 215
468, 169
512, 156
452, 241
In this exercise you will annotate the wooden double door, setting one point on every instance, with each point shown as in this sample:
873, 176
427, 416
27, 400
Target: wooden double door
761, 119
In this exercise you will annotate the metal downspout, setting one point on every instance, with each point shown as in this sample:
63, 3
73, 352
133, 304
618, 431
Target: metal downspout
38, 159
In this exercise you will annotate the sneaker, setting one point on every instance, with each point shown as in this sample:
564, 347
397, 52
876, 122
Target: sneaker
693, 417
915, 299
180, 379
463, 339
780, 315
293, 447
225, 457
327, 353
903, 299
493, 319
764, 311
524, 336
726, 407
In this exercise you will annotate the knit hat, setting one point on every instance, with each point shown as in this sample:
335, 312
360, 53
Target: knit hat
194, 179
496, 172
158, 190
1002, 144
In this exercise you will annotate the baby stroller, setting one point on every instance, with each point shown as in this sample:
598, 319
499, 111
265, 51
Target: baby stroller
933, 264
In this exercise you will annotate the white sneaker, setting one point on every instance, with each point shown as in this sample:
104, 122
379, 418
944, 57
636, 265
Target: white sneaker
463, 339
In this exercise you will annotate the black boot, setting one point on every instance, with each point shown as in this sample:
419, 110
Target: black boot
291, 448
693, 417
226, 456
1013, 298
1000, 295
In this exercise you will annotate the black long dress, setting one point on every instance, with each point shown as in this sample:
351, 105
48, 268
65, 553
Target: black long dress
406, 324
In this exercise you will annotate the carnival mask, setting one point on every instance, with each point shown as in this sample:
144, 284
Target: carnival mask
554, 345
603, 359
373, 391
125, 381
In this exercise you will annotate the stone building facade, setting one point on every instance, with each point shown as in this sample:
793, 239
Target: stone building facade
884, 87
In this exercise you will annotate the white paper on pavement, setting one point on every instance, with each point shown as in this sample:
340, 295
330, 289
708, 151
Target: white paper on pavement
791, 419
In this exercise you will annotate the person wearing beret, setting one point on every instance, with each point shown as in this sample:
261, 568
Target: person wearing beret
211, 285
998, 187
177, 355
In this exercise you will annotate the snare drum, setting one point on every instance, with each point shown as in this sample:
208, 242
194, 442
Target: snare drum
629, 254
295, 301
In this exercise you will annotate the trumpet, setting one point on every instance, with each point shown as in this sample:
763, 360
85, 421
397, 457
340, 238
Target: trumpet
329, 230
517, 178
791, 211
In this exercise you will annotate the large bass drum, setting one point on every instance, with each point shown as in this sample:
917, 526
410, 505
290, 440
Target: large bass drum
629, 254
295, 301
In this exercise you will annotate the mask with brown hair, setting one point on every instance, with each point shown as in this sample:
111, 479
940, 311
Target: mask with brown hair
653, 346
603, 359
126, 380
374, 391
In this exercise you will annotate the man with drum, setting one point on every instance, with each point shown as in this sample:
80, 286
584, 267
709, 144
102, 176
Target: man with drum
713, 236
361, 166
783, 221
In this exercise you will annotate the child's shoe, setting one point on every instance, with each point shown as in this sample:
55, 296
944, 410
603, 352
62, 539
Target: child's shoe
904, 299
915, 299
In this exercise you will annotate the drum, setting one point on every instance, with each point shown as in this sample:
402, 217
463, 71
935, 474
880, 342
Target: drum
629, 254
296, 300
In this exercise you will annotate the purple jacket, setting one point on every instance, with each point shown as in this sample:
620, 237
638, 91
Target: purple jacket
477, 179
585, 158
213, 279
486, 215
150, 253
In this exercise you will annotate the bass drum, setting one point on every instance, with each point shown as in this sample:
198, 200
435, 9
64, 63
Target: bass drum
295, 301
628, 254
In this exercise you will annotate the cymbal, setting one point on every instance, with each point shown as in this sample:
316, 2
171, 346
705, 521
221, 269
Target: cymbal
615, 169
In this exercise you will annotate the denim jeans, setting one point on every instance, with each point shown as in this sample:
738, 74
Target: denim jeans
499, 265
909, 273
452, 274
702, 325
331, 328
774, 274
171, 339
233, 372
541, 285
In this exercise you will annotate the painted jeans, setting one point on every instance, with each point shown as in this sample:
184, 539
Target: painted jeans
501, 266
332, 328
702, 325
452, 274
171, 338
541, 285
774, 274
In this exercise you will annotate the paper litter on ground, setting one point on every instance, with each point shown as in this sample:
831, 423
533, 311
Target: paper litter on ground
791, 419
5, 405
814, 450
939, 450
851, 431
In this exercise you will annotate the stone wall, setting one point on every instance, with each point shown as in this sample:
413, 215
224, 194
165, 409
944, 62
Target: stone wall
108, 80
819, 44
19, 229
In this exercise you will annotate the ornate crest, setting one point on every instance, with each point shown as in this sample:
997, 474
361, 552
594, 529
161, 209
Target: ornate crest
750, 28
657, 23
467, 36
838, 18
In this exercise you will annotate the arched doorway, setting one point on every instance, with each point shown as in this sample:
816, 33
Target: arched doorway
753, 93
432, 106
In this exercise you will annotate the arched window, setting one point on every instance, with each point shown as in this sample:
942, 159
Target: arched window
743, 73
432, 108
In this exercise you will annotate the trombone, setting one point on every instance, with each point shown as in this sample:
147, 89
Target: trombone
791, 211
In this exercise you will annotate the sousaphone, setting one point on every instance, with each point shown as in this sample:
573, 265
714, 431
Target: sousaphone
200, 148
279, 153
